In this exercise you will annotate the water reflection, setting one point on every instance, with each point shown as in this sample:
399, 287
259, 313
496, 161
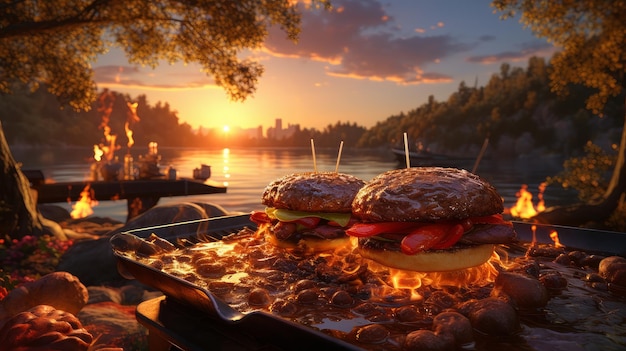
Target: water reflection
248, 171
226, 168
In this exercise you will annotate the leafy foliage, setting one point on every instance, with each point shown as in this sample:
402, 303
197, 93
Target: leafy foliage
587, 174
54, 42
515, 109
28, 259
592, 36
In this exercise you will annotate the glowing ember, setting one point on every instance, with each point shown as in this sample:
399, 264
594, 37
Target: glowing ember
84, 206
524, 207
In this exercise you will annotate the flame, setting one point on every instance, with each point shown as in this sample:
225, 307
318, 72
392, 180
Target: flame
105, 108
97, 153
84, 206
524, 207
131, 118
555, 237
395, 280
129, 135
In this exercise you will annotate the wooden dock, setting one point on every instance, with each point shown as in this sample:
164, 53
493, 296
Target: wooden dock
140, 195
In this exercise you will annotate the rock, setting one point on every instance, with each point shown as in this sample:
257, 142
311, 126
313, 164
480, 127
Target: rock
212, 210
114, 325
54, 212
427, 340
99, 294
527, 292
168, 214
455, 324
44, 328
93, 225
92, 261
492, 316
61, 290
613, 269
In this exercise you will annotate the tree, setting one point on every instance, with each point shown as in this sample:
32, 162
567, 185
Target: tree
55, 42
591, 36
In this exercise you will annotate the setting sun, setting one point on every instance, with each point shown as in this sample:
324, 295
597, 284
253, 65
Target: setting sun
226, 129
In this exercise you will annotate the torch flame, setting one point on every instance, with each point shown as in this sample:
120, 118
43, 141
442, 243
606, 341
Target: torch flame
131, 118
129, 135
97, 153
84, 206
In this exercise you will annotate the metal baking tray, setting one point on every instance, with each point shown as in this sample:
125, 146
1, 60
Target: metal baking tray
261, 325
276, 329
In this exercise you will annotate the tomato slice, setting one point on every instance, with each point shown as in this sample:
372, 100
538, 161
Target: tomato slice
260, 217
369, 229
309, 222
454, 234
351, 221
422, 238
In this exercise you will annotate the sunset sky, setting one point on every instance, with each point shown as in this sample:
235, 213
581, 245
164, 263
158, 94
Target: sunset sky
362, 62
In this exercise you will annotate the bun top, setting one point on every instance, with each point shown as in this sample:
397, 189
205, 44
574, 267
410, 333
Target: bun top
313, 191
426, 194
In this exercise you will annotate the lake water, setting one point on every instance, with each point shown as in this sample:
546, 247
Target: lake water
247, 171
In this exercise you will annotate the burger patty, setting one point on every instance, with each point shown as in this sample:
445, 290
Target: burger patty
490, 234
426, 194
316, 192
288, 231
480, 234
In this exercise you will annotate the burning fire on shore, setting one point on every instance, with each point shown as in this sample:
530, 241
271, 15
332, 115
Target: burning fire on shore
524, 207
84, 206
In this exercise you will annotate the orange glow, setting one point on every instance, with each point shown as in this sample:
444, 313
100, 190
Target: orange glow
129, 135
534, 240
524, 207
411, 281
97, 153
555, 237
84, 206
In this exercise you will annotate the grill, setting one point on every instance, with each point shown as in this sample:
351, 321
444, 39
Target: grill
189, 317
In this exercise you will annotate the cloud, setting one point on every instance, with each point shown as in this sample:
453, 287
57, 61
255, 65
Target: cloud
359, 40
526, 51
135, 77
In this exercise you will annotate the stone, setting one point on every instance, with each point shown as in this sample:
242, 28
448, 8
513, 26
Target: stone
114, 325
527, 292
61, 290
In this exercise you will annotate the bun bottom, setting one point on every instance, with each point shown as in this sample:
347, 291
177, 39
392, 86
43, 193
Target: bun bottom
431, 261
307, 245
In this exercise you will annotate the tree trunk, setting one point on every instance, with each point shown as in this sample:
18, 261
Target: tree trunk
595, 211
18, 210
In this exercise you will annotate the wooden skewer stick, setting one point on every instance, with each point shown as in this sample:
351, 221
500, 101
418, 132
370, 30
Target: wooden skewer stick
406, 151
339, 157
313, 151
480, 154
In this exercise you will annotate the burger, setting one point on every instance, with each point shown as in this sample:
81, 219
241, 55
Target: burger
429, 219
308, 211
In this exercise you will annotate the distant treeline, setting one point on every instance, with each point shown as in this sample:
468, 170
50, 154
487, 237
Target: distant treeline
516, 110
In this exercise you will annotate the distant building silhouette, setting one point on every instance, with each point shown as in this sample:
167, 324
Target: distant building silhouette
278, 133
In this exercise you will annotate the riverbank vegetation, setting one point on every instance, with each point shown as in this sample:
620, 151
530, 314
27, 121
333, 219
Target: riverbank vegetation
515, 109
